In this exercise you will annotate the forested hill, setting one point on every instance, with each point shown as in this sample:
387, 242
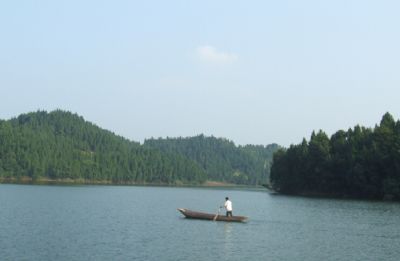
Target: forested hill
361, 162
221, 159
63, 146
60, 145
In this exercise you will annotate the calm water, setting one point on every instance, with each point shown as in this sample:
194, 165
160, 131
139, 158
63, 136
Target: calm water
142, 223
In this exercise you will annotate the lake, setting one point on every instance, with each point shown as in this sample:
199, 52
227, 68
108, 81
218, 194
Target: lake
141, 223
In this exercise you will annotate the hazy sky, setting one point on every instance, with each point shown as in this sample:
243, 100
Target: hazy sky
251, 71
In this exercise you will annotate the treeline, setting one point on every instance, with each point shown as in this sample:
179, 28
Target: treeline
221, 159
63, 146
361, 162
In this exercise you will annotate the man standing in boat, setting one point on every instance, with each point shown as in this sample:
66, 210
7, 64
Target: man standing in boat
228, 207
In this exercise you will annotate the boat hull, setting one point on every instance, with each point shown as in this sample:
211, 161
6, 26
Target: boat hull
213, 217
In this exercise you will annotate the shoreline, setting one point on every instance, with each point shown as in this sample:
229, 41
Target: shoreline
47, 181
314, 195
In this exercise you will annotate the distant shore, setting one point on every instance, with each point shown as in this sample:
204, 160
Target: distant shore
48, 181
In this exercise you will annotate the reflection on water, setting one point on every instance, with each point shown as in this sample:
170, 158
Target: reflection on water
228, 240
228, 230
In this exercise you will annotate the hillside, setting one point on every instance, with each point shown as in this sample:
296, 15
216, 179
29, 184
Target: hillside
221, 159
63, 146
60, 145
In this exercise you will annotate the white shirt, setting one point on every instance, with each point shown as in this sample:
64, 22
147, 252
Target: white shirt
228, 205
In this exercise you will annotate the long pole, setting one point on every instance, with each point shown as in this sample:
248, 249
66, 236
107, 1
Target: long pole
215, 218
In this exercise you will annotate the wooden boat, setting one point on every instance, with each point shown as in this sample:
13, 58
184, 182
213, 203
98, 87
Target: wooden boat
215, 217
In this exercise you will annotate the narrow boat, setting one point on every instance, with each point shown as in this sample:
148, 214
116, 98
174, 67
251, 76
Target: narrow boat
215, 217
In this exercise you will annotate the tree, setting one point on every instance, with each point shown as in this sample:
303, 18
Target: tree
361, 162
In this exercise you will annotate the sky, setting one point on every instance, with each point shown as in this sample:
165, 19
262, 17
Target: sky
254, 72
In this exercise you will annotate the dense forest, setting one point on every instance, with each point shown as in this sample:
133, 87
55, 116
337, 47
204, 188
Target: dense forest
361, 163
221, 159
63, 146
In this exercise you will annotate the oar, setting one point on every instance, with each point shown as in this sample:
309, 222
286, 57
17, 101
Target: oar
215, 218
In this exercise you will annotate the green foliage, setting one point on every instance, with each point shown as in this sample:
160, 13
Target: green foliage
62, 145
220, 158
361, 162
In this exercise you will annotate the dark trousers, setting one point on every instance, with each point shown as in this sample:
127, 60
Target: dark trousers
228, 213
